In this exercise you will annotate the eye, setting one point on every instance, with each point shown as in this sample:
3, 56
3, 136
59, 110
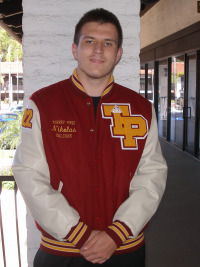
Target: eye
108, 44
89, 42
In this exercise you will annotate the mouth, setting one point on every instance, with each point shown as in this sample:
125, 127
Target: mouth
97, 61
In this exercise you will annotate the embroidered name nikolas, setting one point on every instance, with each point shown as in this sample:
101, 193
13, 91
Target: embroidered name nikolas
61, 129
129, 128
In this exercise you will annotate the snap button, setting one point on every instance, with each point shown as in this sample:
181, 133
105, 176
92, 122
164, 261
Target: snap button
91, 130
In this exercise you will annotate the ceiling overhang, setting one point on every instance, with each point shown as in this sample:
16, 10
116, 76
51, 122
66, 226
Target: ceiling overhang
11, 13
146, 5
11, 17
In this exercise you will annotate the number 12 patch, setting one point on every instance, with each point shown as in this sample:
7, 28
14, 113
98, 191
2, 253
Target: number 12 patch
26, 121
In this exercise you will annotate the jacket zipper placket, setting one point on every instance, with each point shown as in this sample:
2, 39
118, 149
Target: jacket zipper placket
94, 160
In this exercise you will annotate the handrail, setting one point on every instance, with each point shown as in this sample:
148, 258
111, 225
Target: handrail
2, 234
7, 179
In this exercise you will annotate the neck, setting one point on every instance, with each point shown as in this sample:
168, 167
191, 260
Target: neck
94, 86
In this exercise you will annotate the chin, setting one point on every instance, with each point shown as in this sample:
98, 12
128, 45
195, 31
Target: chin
98, 74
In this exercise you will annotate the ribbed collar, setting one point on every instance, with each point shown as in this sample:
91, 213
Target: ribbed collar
78, 84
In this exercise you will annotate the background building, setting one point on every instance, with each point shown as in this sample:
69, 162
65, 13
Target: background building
12, 81
170, 69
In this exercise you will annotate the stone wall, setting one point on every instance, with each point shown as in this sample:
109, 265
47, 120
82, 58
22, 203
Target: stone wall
48, 28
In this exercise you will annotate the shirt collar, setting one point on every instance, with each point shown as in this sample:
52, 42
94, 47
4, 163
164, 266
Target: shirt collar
78, 84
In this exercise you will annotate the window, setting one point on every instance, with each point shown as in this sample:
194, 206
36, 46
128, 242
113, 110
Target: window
162, 98
150, 88
177, 100
142, 80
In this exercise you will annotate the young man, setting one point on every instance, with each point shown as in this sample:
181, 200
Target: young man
89, 164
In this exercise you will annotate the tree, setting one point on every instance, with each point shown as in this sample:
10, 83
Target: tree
9, 47
11, 133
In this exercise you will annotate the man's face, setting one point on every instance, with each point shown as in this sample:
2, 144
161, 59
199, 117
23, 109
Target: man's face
97, 52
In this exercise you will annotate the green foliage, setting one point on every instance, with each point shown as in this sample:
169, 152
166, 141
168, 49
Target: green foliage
6, 172
179, 74
9, 185
10, 136
9, 47
1, 124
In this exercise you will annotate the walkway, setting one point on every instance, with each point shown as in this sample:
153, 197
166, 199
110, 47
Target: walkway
172, 238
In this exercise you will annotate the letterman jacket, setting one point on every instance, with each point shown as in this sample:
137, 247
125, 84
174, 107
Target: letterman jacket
78, 174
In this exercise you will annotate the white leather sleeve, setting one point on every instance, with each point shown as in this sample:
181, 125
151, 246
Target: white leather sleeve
147, 186
31, 172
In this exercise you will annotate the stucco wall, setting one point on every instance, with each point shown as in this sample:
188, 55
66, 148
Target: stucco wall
166, 18
48, 28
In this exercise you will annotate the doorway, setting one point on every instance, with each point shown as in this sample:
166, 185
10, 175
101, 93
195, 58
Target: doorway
190, 102
177, 100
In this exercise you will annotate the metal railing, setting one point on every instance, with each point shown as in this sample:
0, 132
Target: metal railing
7, 179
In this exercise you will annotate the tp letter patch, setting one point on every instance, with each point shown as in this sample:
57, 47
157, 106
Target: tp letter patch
129, 128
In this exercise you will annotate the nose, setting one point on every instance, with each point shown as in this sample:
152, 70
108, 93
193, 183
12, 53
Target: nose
98, 48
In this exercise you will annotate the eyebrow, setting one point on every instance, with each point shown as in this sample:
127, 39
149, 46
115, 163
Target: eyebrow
106, 39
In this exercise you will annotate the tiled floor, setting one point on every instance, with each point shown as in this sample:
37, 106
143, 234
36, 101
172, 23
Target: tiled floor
172, 238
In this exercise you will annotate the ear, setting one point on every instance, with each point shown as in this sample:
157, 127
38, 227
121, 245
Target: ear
74, 50
119, 55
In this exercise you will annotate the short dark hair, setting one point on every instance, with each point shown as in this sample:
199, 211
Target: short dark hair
101, 16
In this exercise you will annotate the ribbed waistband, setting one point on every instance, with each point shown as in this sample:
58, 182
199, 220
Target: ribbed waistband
68, 249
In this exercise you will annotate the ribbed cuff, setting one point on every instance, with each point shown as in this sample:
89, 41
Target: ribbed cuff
79, 234
119, 232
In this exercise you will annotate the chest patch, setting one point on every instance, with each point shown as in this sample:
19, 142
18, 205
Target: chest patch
129, 128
